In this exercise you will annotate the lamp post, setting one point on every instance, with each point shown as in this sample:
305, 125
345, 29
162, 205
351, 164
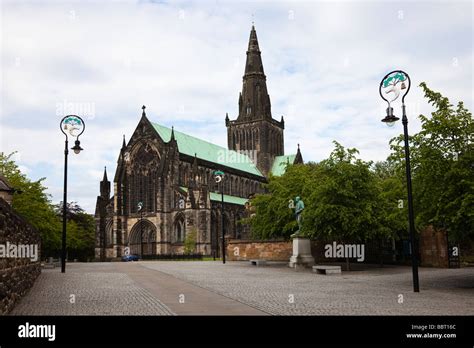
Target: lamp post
74, 126
393, 84
219, 177
140, 209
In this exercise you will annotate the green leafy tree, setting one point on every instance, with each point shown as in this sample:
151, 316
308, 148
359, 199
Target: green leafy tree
273, 219
80, 231
342, 204
190, 241
33, 203
442, 157
392, 200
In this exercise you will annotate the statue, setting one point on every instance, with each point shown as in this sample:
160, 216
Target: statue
299, 207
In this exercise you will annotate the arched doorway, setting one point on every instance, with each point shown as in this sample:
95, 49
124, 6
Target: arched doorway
142, 238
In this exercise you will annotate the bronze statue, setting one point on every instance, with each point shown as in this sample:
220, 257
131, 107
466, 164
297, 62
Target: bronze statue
299, 207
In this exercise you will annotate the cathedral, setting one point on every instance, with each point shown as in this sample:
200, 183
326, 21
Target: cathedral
164, 186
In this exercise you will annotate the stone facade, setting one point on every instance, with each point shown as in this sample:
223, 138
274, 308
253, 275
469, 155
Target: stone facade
243, 250
17, 275
171, 175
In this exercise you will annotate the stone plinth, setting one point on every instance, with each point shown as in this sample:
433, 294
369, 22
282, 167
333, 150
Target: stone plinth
301, 253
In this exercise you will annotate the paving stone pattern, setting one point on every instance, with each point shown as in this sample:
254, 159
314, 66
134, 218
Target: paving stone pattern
371, 292
98, 290
108, 289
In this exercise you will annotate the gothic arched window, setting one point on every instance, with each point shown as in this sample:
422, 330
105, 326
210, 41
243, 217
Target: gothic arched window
142, 178
179, 230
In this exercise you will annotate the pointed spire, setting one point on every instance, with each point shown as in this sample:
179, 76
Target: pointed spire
124, 144
299, 157
227, 120
253, 41
105, 175
254, 101
172, 133
253, 64
143, 113
105, 186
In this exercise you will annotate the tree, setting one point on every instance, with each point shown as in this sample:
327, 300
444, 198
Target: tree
343, 205
33, 203
190, 241
342, 198
391, 204
442, 156
273, 219
80, 240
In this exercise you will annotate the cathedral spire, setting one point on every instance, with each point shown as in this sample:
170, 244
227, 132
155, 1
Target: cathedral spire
105, 175
253, 64
105, 186
255, 129
254, 101
143, 112
124, 144
172, 133
299, 156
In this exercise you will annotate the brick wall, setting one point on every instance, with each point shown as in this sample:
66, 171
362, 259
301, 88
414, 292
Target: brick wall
17, 275
278, 250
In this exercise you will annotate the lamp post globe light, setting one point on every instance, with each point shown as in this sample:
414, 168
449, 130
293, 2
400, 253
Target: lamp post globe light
219, 179
140, 209
73, 126
394, 84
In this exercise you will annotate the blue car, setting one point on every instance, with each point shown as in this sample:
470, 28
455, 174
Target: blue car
130, 258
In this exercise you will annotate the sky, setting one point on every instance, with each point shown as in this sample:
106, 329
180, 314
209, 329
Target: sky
185, 60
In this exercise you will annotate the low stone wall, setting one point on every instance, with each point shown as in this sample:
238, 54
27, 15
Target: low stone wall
17, 275
242, 250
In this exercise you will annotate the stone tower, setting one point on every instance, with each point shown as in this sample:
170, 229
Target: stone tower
255, 132
105, 187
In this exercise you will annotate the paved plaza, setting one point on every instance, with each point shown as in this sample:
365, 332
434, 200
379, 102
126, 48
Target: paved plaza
237, 288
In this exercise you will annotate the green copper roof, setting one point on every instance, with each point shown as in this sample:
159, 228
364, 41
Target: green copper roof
227, 199
280, 162
190, 145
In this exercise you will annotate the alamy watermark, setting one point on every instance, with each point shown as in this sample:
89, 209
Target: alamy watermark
37, 331
350, 251
87, 109
239, 156
27, 251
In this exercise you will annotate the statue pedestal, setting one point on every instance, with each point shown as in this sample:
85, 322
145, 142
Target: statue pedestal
301, 257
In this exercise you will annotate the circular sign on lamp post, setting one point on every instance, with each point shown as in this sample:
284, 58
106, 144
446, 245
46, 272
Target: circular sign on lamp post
393, 85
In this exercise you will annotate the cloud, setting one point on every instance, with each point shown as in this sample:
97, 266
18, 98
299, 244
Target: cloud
185, 61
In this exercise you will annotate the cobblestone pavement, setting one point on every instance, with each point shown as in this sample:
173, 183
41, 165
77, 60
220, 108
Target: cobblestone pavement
277, 289
98, 288
146, 288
